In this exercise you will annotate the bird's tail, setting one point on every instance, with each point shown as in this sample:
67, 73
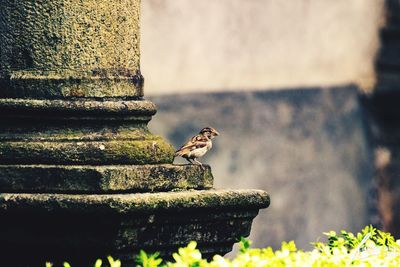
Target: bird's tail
177, 153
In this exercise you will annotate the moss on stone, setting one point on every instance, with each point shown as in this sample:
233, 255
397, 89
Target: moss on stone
84, 49
103, 179
75, 65
114, 132
103, 107
75, 132
78, 227
150, 151
131, 203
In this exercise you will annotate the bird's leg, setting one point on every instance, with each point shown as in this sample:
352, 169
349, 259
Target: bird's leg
188, 159
199, 163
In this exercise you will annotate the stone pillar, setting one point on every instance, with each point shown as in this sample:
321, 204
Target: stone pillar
73, 71
66, 48
81, 176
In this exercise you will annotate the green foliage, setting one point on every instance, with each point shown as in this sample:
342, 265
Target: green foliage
370, 247
244, 244
148, 260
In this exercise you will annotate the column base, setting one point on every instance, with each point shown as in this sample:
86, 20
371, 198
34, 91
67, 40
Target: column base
80, 132
78, 228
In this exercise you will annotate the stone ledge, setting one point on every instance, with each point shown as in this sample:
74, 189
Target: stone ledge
154, 150
83, 108
134, 203
72, 84
103, 179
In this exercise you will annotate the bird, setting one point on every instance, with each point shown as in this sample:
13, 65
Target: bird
197, 146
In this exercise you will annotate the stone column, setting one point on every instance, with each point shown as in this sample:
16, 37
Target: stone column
73, 71
81, 176
66, 48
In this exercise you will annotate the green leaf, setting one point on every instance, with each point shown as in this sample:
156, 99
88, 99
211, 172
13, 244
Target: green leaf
244, 244
98, 263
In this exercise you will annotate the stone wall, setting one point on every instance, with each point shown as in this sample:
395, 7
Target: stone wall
307, 147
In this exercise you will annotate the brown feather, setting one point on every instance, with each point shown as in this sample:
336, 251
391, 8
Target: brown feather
197, 141
198, 145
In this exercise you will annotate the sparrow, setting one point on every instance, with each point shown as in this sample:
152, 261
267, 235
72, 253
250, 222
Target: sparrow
197, 146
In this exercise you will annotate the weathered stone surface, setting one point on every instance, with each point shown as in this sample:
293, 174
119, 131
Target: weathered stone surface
79, 132
131, 203
66, 48
34, 130
73, 67
150, 151
76, 108
81, 228
81, 240
103, 179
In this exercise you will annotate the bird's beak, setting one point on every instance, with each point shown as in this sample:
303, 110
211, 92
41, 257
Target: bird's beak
216, 133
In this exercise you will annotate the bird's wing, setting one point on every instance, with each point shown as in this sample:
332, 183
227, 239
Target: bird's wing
194, 143
198, 138
191, 146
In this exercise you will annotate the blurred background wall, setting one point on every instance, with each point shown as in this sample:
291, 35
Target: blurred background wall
281, 81
218, 45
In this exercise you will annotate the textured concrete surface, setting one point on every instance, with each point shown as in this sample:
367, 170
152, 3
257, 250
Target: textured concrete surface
79, 132
307, 147
103, 179
131, 203
83, 108
81, 228
153, 150
70, 48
